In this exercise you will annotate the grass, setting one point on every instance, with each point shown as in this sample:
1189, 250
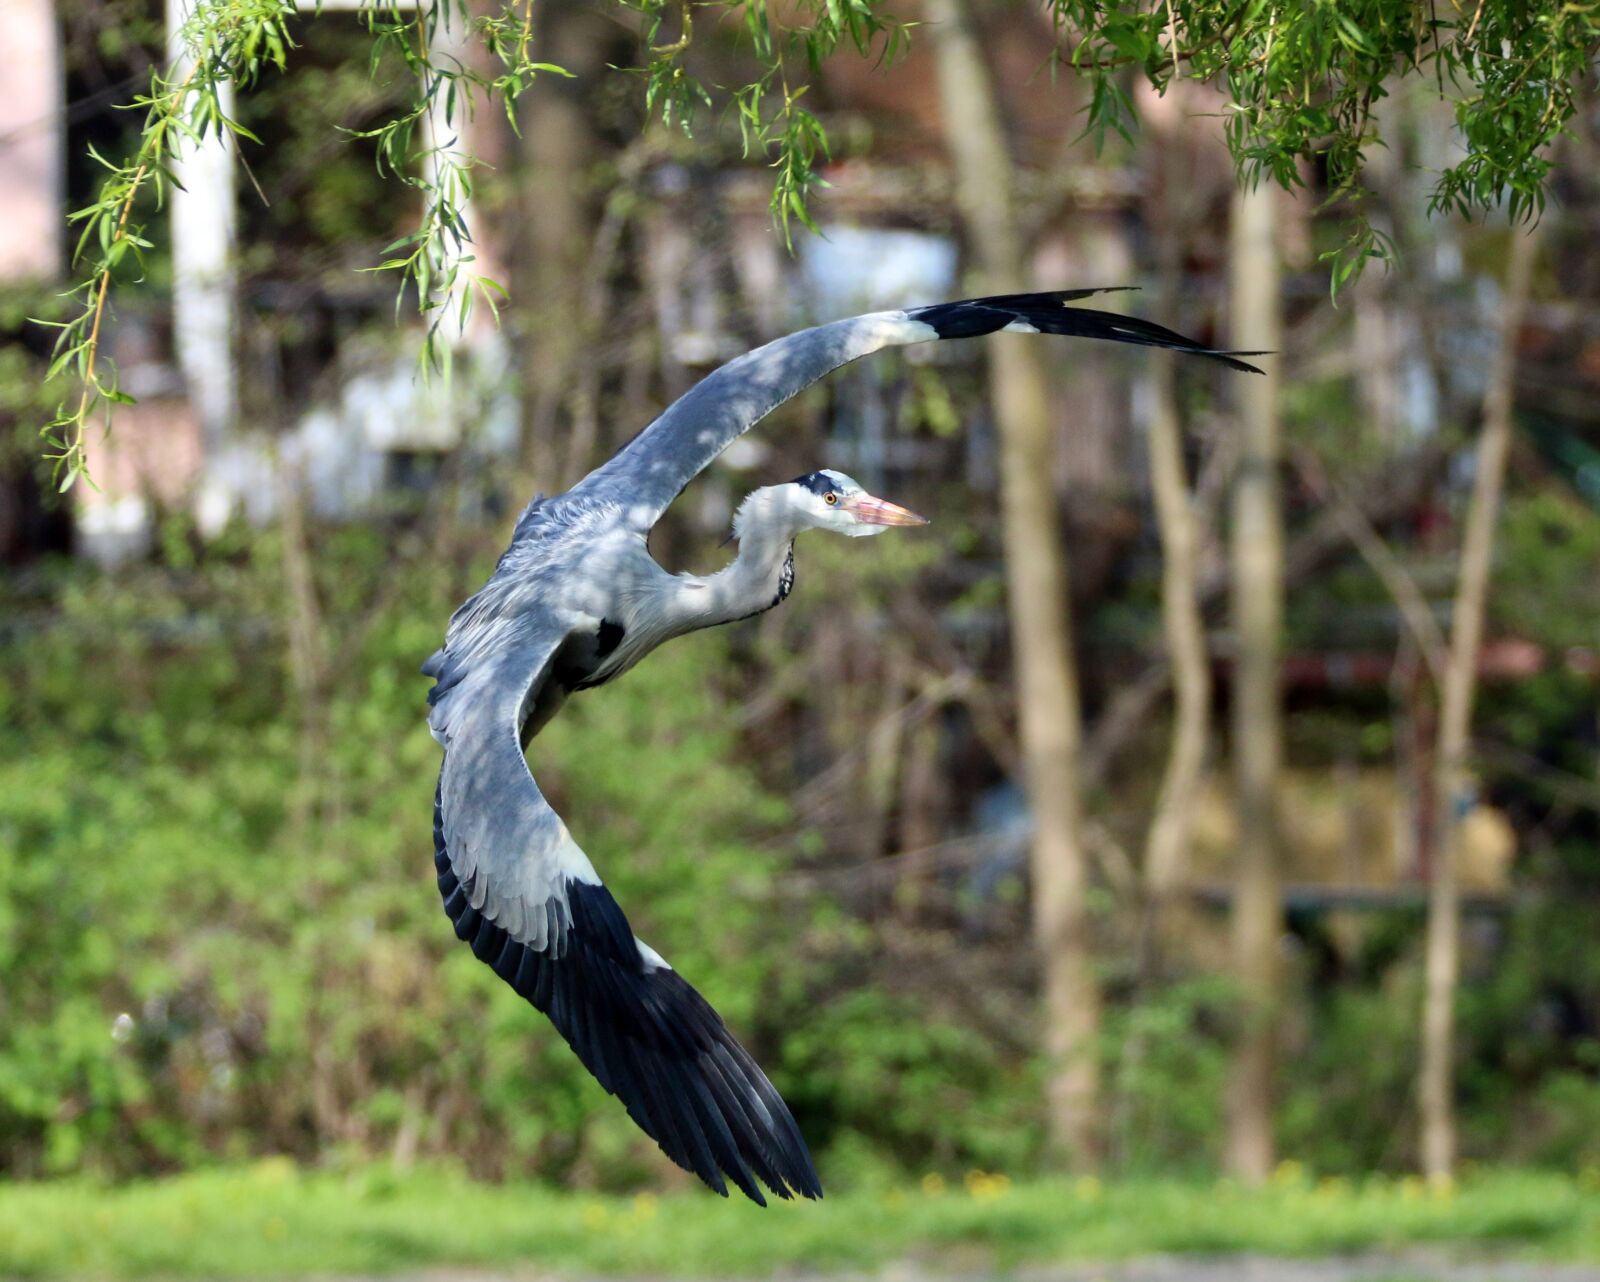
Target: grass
271, 1220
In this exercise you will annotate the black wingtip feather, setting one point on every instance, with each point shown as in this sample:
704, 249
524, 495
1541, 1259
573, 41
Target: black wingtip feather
650, 1039
1049, 314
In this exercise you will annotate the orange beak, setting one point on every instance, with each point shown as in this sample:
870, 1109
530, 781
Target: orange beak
875, 511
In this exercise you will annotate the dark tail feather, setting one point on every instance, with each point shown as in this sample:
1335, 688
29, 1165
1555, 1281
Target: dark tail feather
1049, 314
649, 1038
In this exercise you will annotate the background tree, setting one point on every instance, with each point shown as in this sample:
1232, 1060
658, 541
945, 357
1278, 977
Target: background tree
1048, 705
1257, 741
1452, 765
1167, 841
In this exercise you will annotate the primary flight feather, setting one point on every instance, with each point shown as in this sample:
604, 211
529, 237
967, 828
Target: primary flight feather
577, 600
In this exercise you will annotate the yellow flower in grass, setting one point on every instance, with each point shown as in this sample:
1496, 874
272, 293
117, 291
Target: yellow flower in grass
984, 1187
1087, 1188
595, 1216
644, 1206
1288, 1172
933, 1184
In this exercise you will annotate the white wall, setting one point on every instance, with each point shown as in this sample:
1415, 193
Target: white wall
31, 142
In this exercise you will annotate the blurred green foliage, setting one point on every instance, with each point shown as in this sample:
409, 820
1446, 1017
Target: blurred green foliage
1547, 580
222, 940
218, 920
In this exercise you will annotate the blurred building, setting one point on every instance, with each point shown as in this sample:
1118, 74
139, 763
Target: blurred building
31, 143
189, 444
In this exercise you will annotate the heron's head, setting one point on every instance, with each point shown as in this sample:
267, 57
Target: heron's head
828, 500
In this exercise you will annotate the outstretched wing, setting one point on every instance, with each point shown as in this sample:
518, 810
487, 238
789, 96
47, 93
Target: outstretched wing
527, 899
651, 471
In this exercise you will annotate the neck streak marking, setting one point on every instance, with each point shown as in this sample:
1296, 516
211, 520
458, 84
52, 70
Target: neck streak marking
785, 585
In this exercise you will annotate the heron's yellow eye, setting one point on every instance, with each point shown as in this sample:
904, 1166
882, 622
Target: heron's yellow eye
830, 498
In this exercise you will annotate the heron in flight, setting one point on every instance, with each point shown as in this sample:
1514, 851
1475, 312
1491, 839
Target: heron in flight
575, 601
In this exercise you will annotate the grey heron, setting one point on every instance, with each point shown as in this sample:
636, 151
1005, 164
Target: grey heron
575, 601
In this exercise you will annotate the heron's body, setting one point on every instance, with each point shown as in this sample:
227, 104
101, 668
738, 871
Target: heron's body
573, 559
577, 600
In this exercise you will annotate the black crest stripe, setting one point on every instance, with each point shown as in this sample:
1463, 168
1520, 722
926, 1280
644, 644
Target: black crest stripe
819, 483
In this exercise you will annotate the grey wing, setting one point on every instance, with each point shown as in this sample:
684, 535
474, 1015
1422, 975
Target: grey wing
522, 893
653, 468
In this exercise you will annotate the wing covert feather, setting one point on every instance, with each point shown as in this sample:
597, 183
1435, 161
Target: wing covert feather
652, 469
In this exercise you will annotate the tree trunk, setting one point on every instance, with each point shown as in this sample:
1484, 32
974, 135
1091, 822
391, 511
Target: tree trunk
556, 151
1036, 570
1257, 556
1166, 850
1451, 786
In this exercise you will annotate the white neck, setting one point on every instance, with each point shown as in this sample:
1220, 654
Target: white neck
759, 577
